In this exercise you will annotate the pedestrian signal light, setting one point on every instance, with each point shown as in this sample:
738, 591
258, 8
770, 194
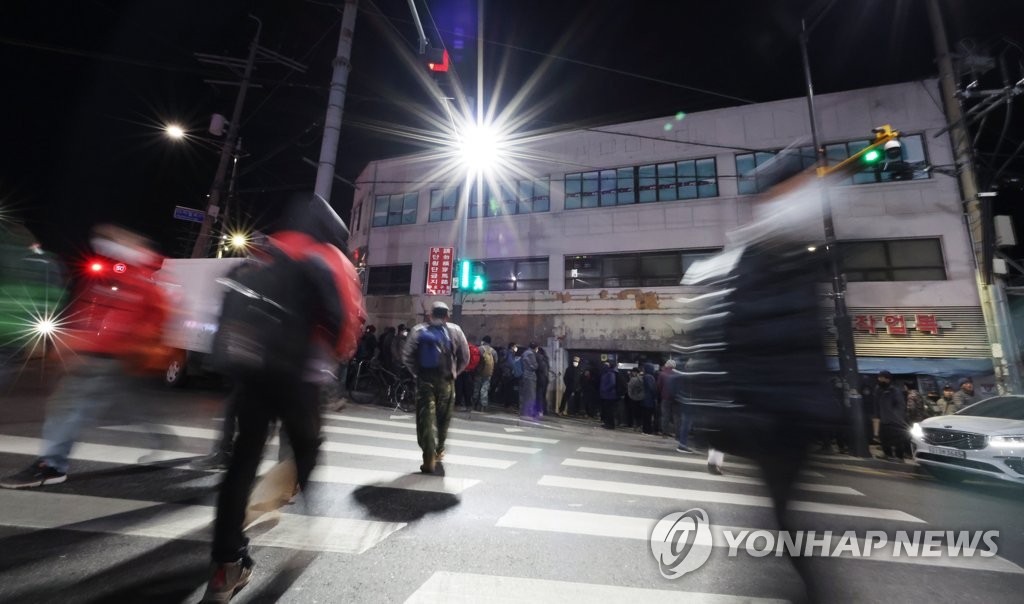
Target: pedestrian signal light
872, 156
437, 59
478, 283
95, 267
464, 271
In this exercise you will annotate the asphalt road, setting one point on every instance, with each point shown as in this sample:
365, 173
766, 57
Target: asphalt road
554, 511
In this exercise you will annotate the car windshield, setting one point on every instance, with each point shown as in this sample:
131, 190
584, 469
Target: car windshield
1002, 407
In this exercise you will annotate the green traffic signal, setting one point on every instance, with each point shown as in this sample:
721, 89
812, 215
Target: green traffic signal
464, 275
872, 156
478, 283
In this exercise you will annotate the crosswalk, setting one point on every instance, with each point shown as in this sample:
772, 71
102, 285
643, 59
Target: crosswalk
540, 489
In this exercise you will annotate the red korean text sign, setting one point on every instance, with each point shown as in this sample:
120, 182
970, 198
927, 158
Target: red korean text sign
440, 266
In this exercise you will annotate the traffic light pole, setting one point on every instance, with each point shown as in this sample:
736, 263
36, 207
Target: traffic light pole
845, 350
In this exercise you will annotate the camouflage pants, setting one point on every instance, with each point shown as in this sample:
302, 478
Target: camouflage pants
435, 399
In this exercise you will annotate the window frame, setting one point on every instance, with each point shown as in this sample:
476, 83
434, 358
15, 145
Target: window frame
392, 285
890, 268
401, 209
626, 270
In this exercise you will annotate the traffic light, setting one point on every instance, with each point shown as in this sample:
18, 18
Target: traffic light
437, 59
886, 144
472, 277
96, 267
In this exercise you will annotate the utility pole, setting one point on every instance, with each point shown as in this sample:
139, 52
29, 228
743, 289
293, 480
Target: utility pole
990, 287
845, 350
230, 148
335, 104
202, 245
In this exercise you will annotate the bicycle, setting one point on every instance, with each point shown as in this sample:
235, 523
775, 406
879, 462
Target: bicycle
382, 385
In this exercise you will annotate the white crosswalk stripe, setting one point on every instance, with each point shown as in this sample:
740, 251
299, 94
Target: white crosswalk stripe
626, 527
692, 495
411, 425
692, 475
45, 510
467, 588
699, 460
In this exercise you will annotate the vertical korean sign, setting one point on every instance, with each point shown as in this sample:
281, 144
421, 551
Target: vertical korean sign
439, 271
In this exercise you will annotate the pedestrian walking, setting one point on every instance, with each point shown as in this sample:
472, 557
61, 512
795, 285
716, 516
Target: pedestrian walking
276, 346
112, 339
964, 397
436, 353
635, 394
464, 383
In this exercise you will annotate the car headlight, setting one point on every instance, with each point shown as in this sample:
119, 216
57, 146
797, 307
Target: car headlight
916, 431
1006, 441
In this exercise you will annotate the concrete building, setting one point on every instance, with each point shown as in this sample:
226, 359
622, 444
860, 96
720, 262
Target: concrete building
583, 250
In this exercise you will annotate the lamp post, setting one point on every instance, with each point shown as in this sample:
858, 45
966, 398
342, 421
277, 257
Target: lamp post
845, 350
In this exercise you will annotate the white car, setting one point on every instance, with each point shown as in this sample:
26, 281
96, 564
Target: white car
984, 439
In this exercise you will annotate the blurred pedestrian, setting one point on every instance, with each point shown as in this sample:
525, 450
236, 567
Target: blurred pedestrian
276, 346
464, 383
436, 353
113, 338
387, 359
635, 393
591, 402
650, 400
917, 406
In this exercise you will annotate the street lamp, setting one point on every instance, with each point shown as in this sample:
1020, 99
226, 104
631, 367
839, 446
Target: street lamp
174, 131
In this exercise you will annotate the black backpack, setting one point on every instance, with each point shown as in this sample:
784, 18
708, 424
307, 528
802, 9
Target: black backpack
266, 320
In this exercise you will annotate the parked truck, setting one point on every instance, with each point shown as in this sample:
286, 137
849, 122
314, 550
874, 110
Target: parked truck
195, 299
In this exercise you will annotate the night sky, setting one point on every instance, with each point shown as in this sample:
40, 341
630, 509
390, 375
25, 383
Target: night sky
88, 84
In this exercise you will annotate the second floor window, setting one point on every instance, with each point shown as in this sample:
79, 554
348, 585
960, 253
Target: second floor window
443, 203
391, 210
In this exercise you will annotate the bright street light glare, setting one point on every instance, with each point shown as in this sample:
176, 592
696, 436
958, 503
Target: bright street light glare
239, 241
175, 131
45, 326
479, 147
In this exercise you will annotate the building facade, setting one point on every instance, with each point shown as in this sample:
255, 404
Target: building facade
583, 245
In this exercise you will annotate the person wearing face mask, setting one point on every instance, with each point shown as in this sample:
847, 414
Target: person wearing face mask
572, 378
945, 404
436, 352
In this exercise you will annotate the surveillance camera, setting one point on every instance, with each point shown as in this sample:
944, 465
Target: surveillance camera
893, 150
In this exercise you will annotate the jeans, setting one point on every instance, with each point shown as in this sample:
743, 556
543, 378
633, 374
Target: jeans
259, 402
89, 389
481, 390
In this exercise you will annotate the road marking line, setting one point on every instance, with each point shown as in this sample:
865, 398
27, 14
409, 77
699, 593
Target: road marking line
450, 458
23, 445
468, 588
644, 490
115, 454
451, 442
618, 467
49, 510
412, 426
697, 459
208, 434
626, 527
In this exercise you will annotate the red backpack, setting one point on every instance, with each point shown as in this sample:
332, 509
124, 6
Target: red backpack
474, 358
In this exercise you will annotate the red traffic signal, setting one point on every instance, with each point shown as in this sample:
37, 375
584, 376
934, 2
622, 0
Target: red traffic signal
437, 59
96, 267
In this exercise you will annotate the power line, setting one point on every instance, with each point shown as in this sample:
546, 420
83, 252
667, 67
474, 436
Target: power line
587, 64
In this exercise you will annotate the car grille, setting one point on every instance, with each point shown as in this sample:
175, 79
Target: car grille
955, 461
954, 439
